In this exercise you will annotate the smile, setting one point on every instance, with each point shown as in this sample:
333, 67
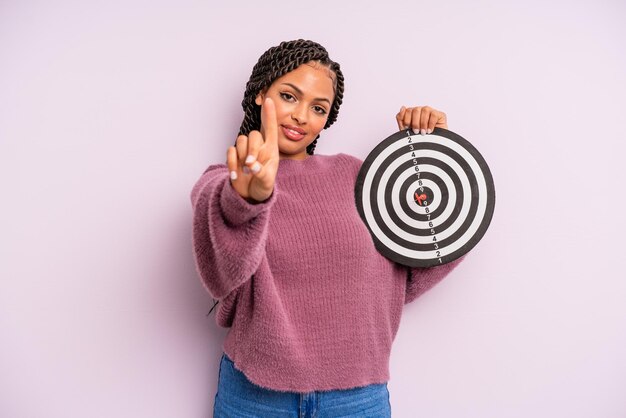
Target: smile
293, 133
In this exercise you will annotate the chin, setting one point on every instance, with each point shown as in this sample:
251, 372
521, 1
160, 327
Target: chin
287, 146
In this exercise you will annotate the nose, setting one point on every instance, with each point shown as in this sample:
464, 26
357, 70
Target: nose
299, 114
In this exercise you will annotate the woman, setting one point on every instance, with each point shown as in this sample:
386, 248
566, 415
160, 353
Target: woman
312, 307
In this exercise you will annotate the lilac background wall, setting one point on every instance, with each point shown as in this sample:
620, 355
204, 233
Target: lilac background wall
110, 112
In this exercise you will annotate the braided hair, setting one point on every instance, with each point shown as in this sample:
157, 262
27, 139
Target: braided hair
278, 61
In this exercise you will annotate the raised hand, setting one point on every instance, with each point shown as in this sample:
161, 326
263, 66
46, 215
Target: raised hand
421, 119
253, 161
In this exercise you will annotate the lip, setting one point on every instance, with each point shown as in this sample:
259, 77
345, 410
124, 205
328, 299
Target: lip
293, 132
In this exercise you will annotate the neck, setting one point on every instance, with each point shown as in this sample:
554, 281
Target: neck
299, 157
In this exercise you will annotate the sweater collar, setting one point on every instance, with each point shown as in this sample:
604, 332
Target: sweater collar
289, 166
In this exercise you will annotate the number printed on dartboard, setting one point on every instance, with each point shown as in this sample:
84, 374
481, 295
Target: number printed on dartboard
422, 196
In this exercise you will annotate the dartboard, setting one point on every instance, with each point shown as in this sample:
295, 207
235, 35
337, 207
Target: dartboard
426, 199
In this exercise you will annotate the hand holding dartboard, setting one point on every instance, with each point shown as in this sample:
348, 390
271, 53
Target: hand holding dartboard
426, 199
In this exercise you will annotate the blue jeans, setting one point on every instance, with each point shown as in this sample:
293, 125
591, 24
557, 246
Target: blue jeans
237, 397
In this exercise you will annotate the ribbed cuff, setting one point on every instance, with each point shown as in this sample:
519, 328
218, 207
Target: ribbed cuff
236, 209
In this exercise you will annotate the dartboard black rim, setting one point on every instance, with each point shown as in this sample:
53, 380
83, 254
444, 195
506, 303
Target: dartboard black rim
469, 228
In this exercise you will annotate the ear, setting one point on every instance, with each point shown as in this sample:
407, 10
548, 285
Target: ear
260, 97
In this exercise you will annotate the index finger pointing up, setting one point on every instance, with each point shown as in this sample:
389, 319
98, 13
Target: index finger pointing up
270, 123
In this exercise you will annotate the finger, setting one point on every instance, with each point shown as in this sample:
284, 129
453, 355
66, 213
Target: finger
231, 161
426, 112
242, 149
255, 140
267, 173
400, 116
443, 121
435, 116
258, 170
415, 119
406, 118
270, 124
265, 153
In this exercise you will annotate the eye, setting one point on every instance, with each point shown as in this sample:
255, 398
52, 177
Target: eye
320, 110
287, 97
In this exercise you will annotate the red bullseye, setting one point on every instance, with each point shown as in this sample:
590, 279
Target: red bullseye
420, 198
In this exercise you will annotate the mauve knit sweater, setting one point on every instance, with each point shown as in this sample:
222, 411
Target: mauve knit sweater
310, 303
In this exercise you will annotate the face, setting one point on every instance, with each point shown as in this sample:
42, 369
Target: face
303, 99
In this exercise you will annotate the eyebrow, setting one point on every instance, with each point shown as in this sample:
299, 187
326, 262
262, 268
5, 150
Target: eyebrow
323, 99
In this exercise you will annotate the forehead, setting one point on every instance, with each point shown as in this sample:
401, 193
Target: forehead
312, 78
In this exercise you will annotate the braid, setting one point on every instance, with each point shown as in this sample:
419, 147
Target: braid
278, 61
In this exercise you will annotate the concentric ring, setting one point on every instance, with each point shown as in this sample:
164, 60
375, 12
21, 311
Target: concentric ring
426, 199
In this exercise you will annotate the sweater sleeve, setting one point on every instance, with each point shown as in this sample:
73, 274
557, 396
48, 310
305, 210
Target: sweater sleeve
420, 280
229, 233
